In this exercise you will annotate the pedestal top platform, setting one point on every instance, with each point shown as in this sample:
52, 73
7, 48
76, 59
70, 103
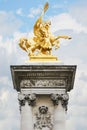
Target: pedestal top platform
46, 76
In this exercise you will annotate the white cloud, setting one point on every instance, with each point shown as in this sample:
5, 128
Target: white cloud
83, 76
11, 52
8, 23
56, 6
19, 12
33, 12
79, 12
18, 35
77, 110
7, 46
4, 96
5, 81
11, 123
65, 21
9, 109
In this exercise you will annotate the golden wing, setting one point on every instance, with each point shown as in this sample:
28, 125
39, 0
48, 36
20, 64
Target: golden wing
39, 20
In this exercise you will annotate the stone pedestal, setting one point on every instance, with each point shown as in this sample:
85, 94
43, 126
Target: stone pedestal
43, 94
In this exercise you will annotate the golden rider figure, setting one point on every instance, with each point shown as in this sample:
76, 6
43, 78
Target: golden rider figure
43, 39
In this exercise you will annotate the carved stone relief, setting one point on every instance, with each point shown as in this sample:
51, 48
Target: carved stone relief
42, 83
43, 118
26, 83
63, 97
23, 98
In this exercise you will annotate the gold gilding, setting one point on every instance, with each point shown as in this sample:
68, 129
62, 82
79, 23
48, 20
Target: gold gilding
39, 47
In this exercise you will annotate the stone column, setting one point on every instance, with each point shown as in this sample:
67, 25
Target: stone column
26, 102
49, 81
60, 102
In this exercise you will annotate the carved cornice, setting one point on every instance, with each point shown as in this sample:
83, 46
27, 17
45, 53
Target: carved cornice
56, 76
30, 98
60, 97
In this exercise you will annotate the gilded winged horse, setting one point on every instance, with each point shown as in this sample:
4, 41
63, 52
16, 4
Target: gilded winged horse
43, 39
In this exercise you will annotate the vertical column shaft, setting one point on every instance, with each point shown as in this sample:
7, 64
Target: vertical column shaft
59, 117
26, 102
26, 117
60, 106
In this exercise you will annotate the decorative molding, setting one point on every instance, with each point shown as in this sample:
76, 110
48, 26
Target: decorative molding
26, 83
43, 118
30, 98
49, 83
63, 97
35, 72
41, 74
43, 109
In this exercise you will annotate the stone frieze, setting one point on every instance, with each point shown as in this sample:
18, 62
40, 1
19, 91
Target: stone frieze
27, 83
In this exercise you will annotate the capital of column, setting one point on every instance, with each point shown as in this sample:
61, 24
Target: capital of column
30, 98
60, 97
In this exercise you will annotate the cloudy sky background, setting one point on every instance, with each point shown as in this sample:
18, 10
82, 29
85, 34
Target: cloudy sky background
68, 17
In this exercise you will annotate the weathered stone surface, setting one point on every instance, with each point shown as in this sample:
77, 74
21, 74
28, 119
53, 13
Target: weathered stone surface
26, 83
43, 76
43, 118
42, 94
60, 97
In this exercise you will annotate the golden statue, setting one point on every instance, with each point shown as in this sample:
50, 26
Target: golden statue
40, 46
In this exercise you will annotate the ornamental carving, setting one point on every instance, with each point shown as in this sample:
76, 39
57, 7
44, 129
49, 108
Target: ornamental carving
42, 83
43, 118
40, 74
63, 97
49, 83
26, 83
23, 98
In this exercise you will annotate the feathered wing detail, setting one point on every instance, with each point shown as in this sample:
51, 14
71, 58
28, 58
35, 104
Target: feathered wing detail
46, 7
39, 20
37, 24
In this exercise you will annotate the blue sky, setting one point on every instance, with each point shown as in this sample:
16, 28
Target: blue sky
68, 17
22, 9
